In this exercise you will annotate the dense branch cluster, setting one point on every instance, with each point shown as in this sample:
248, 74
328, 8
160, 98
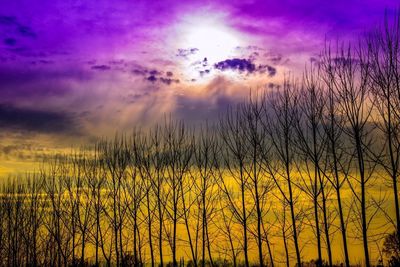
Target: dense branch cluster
286, 177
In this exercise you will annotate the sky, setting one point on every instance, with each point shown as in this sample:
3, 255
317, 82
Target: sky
74, 71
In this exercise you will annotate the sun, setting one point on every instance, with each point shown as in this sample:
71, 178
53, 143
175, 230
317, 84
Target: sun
213, 42
210, 39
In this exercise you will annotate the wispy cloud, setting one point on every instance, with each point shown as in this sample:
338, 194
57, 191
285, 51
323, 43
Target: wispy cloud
185, 53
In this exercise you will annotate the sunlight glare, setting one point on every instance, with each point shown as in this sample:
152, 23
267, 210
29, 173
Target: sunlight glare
213, 42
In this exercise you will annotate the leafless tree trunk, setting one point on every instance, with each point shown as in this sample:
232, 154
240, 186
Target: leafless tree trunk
312, 147
144, 153
384, 54
333, 127
178, 153
255, 135
235, 150
134, 193
155, 164
281, 114
206, 164
350, 77
95, 182
116, 160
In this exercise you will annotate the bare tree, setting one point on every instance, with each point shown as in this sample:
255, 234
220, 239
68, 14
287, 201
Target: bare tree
255, 136
230, 249
384, 73
59, 219
312, 147
116, 159
134, 193
144, 153
154, 164
235, 151
337, 172
350, 77
95, 177
281, 115
178, 152
281, 217
206, 164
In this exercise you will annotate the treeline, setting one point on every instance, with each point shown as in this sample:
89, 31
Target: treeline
298, 166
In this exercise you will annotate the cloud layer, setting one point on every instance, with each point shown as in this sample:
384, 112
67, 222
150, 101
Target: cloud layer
91, 67
27, 119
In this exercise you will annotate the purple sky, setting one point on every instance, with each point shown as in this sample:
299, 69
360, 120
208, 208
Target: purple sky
89, 68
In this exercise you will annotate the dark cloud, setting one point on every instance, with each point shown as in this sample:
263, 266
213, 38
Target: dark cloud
239, 64
32, 120
17, 27
168, 81
26, 31
165, 80
204, 72
186, 52
154, 75
44, 61
8, 20
10, 41
149, 74
267, 69
101, 67
37, 83
273, 57
140, 72
155, 72
254, 55
244, 66
201, 66
201, 63
152, 78
143, 71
